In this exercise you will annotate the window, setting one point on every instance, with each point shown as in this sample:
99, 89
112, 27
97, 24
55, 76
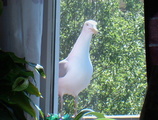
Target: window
117, 54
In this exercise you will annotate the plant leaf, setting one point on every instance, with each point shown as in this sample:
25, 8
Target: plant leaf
33, 90
67, 117
23, 102
41, 113
97, 114
20, 84
18, 112
38, 68
52, 117
6, 113
82, 113
16, 59
27, 73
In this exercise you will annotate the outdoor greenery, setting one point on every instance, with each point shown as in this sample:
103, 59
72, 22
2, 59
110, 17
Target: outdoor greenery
117, 53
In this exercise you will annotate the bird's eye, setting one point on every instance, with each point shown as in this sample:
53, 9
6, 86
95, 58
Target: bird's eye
87, 24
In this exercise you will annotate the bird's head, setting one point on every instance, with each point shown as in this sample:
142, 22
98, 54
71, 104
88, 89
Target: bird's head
91, 26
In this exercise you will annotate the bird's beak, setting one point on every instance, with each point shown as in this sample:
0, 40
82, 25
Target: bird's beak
95, 30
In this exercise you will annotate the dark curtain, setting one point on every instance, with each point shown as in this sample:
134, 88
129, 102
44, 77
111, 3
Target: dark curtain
150, 107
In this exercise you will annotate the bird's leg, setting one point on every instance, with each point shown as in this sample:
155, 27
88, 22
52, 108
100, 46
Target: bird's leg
61, 105
75, 106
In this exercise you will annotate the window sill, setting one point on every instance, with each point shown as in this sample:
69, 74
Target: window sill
117, 117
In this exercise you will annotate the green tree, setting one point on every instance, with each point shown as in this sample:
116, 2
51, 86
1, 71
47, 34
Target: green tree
117, 53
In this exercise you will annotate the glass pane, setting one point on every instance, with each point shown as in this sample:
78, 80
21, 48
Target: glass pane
117, 53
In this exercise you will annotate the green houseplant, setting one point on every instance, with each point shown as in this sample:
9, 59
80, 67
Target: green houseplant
82, 113
16, 87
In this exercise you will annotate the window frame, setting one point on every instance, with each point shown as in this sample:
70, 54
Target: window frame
50, 59
50, 56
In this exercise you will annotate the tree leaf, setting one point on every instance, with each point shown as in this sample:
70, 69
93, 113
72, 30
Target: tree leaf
20, 84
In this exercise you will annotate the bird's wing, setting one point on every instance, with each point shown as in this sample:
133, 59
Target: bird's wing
63, 68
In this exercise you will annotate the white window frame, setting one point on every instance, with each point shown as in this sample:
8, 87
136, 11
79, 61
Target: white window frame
50, 56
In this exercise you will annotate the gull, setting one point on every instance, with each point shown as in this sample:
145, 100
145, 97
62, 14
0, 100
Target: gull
75, 71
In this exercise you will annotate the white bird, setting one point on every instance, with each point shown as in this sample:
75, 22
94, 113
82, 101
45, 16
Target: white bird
76, 70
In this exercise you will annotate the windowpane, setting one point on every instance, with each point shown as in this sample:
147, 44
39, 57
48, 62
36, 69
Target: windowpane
117, 53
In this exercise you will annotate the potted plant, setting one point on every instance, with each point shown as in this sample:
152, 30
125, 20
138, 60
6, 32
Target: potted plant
16, 86
84, 112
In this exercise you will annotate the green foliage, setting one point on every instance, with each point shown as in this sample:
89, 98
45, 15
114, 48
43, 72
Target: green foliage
82, 113
57, 117
117, 53
16, 88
